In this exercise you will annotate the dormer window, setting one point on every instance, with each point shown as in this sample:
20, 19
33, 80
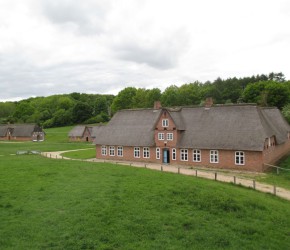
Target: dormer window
160, 136
165, 123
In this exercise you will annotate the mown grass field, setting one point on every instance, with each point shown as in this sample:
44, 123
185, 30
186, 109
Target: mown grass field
59, 204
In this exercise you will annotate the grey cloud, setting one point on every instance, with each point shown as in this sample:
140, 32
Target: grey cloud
22, 79
163, 54
153, 57
88, 16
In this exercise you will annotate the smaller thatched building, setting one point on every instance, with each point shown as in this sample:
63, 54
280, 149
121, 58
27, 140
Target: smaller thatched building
21, 132
83, 133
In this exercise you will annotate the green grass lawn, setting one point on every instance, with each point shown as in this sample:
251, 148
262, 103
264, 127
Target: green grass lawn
59, 204
57, 134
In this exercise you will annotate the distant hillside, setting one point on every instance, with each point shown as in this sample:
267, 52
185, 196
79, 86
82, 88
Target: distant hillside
79, 108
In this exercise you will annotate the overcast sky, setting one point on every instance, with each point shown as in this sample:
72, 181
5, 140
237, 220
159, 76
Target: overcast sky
102, 46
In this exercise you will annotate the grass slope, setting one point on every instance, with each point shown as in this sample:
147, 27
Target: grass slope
57, 204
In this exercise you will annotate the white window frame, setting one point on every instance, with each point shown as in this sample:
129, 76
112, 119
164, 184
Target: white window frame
112, 151
161, 136
174, 154
120, 151
136, 152
146, 152
158, 153
165, 123
169, 136
184, 154
104, 150
196, 155
214, 156
240, 158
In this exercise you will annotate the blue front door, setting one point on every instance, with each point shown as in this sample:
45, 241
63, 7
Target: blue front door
166, 157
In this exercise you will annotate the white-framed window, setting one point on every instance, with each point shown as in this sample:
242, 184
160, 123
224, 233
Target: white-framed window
165, 123
184, 154
104, 150
158, 153
214, 156
160, 136
146, 152
196, 155
169, 136
120, 151
240, 158
112, 151
174, 154
136, 152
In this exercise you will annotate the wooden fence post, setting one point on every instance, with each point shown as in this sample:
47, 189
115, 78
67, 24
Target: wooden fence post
178, 171
161, 168
145, 166
254, 184
277, 170
235, 180
196, 172
215, 176
274, 190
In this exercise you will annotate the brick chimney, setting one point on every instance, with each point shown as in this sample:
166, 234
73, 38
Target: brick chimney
208, 102
157, 105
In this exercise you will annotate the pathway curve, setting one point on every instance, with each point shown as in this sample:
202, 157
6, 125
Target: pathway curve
213, 174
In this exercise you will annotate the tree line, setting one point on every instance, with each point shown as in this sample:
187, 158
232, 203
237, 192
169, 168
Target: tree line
80, 108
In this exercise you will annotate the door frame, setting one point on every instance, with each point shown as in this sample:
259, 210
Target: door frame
167, 157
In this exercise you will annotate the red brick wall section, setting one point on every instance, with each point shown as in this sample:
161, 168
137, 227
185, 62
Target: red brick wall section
273, 154
14, 138
86, 136
166, 130
226, 160
78, 138
128, 155
253, 160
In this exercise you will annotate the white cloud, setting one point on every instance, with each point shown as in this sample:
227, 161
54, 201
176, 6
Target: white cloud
52, 46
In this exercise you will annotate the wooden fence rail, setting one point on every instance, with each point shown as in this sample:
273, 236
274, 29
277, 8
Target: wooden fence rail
277, 168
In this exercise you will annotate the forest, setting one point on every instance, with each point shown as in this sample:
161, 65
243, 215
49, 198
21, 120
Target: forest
81, 108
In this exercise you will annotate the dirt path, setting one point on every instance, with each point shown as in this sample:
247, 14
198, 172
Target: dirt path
213, 175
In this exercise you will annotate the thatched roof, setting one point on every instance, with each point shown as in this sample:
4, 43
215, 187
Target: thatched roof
77, 131
232, 127
19, 130
95, 129
24, 130
3, 130
129, 128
